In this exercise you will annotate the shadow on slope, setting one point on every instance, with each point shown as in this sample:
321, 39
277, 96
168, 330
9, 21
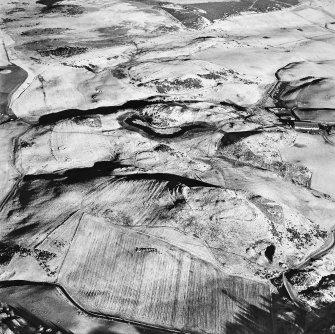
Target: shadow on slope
275, 316
324, 322
19, 320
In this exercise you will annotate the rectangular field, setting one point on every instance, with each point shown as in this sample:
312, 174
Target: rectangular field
117, 271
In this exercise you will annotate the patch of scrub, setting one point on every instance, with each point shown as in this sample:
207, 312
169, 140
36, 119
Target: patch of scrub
68, 10
42, 44
43, 31
177, 84
63, 51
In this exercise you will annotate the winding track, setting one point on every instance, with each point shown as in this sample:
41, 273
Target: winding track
318, 253
326, 138
321, 251
294, 295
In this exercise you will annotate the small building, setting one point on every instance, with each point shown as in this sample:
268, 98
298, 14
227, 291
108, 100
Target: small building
306, 126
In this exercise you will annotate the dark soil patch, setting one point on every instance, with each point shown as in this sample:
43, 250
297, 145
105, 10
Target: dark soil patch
163, 28
104, 43
43, 31
8, 20
219, 10
22, 230
113, 31
42, 44
230, 138
69, 10
9, 82
269, 252
15, 10
48, 3
188, 16
7, 252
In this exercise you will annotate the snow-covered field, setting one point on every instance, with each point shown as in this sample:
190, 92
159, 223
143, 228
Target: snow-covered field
147, 164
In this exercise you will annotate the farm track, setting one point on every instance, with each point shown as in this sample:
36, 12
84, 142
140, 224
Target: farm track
294, 295
320, 252
8, 283
326, 138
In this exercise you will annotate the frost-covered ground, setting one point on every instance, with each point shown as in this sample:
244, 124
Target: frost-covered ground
165, 163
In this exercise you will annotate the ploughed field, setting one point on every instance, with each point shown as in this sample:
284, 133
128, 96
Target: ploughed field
146, 279
125, 264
